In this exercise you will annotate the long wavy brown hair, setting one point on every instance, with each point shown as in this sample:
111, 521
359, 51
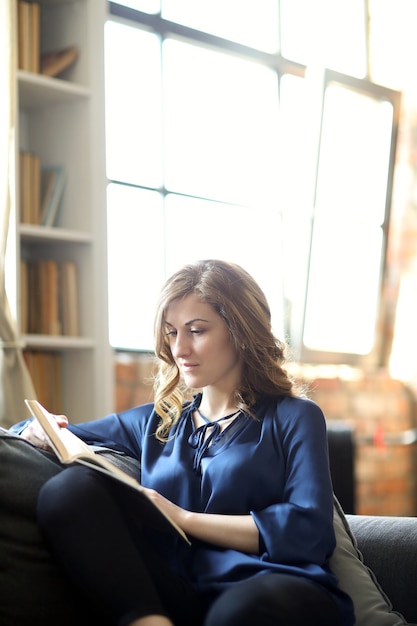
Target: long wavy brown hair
241, 303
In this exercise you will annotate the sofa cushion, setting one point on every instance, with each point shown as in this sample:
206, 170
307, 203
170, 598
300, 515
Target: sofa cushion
32, 588
372, 606
389, 547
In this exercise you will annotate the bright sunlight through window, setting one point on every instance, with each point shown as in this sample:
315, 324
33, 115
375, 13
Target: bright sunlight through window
220, 143
219, 171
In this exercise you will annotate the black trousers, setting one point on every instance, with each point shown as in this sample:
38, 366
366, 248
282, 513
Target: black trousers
93, 530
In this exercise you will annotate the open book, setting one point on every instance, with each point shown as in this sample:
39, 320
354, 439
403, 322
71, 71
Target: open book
71, 449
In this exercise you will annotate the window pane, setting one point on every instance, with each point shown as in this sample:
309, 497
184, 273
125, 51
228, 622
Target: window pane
328, 32
251, 23
348, 243
133, 105
249, 236
354, 155
343, 288
136, 264
220, 122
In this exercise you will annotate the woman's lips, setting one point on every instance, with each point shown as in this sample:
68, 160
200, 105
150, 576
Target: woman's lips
188, 367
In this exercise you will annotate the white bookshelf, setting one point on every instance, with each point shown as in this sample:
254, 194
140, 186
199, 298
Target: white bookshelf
62, 121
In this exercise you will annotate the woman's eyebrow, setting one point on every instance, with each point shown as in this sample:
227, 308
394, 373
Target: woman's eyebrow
195, 319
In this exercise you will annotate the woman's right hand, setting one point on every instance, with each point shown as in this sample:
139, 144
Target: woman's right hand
35, 434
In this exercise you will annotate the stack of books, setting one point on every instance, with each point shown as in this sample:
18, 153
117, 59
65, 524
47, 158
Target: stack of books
41, 190
49, 300
30, 59
28, 30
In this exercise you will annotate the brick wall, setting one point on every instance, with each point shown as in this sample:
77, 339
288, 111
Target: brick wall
382, 413
379, 409
133, 380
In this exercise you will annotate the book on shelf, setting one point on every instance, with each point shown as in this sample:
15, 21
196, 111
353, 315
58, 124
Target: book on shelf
41, 190
23, 34
28, 34
35, 36
42, 297
55, 62
24, 304
45, 369
24, 187
69, 300
50, 289
33, 298
50, 323
71, 449
52, 183
30, 187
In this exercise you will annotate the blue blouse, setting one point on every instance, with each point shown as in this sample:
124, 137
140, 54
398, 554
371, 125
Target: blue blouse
274, 468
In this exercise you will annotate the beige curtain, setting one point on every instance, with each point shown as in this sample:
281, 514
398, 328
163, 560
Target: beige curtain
15, 382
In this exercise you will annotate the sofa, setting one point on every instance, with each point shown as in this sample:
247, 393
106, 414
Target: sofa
389, 548
375, 557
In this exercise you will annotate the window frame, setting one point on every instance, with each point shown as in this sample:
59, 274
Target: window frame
296, 325
295, 322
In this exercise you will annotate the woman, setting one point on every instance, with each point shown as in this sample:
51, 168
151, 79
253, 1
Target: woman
241, 467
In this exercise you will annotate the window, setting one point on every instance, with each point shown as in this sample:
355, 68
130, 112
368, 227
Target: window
206, 187
337, 300
221, 144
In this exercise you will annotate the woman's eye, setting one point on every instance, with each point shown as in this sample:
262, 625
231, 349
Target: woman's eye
170, 333
197, 331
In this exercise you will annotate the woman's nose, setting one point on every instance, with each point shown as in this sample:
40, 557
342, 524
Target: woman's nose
181, 347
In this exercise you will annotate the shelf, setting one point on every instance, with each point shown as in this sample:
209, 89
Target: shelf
36, 90
57, 342
60, 120
39, 234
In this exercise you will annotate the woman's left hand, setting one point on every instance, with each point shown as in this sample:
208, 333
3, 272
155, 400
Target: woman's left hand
237, 532
175, 512
35, 434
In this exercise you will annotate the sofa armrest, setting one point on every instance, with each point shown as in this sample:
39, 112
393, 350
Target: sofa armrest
389, 548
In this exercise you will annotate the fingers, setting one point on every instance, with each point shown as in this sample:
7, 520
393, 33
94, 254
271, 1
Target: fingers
35, 434
61, 420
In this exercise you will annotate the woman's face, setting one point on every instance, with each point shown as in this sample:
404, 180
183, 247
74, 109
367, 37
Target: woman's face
201, 346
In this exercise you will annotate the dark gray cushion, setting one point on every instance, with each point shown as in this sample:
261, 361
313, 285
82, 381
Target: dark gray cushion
389, 547
372, 605
32, 588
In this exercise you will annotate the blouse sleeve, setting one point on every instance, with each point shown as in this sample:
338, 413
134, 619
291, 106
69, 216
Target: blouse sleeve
123, 432
299, 528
